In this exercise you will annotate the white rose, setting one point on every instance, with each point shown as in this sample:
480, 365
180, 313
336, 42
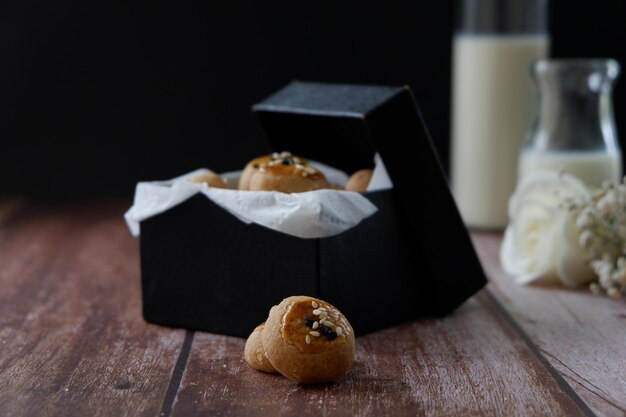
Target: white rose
542, 240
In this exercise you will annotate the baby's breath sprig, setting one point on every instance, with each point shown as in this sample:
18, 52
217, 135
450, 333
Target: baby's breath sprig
602, 224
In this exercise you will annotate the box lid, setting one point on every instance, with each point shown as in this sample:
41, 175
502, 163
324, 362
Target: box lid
343, 126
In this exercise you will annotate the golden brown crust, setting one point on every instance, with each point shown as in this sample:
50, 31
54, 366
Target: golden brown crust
299, 354
250, 169
254, 352
359, 180
266, 181
211, 179
282, 172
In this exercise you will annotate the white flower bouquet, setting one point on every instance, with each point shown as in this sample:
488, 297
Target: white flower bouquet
561, 230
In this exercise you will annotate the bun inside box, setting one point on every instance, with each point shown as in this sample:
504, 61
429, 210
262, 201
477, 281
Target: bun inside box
202, 268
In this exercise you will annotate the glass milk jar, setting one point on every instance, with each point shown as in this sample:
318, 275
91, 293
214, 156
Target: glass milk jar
495, 42
573, 127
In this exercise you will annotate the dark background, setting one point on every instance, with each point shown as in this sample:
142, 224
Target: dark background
104, 93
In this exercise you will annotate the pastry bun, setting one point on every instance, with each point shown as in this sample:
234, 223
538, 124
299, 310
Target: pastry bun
254, 353
308, 340
211, 179
282, 172
359, 180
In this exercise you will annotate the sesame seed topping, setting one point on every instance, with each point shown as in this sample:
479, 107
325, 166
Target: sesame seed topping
328, 323
316, 325
316, 312
323, 315
314, 333
338, 330
314, 304
307, 339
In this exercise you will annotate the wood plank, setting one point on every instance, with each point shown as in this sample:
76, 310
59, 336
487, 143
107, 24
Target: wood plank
72, 340
469, 363
9, 207
581, 334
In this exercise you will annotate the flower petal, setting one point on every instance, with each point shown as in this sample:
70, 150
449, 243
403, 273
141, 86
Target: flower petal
571, 267
530, 249
549, 185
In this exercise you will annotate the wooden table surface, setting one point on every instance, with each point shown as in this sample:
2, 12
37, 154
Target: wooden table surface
73, 342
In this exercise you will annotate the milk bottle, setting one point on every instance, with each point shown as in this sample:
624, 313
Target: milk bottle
495, 43
573, 129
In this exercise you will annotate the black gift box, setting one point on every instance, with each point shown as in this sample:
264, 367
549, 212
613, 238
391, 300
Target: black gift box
204, 269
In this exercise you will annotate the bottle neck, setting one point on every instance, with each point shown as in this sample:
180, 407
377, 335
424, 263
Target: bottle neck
502, 17
573, 107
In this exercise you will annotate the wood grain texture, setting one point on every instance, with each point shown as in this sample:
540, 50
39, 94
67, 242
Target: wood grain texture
9, 207
72, 340
581, 334
470, 363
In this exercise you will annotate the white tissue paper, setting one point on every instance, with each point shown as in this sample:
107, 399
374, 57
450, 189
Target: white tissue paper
313, 214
